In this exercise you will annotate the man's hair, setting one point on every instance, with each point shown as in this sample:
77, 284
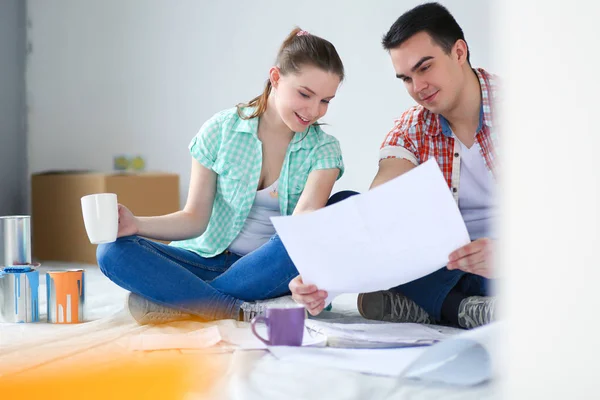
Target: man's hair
432, 18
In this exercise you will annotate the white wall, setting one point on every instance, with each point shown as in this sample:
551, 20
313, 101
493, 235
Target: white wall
551, 227
13, 160
111, 77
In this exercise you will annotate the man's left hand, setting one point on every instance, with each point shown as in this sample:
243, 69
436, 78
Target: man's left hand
476, 258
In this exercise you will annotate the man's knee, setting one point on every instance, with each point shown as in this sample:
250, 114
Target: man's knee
339, 196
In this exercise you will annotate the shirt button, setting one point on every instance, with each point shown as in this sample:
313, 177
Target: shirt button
456, 154
454, 190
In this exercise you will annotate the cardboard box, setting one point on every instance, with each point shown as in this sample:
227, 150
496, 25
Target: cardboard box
58, 233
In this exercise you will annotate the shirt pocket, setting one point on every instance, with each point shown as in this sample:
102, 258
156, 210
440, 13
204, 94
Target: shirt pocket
229, 179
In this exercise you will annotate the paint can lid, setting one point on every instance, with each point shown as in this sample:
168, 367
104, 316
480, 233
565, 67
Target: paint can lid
16, 269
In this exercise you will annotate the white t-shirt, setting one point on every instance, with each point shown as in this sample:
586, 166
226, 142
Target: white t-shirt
258, 229
477, 193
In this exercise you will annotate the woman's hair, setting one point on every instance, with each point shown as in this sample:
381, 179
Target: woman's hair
299, 49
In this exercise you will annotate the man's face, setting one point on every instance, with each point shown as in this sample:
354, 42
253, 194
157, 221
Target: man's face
432, 77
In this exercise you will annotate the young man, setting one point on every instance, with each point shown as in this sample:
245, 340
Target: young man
453, 123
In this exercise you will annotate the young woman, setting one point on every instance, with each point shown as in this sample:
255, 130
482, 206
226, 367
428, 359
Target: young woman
265, 158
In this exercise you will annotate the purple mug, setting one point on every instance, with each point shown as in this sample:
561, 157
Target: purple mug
285, 326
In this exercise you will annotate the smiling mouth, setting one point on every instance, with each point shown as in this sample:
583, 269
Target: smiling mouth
430, 97
302, 119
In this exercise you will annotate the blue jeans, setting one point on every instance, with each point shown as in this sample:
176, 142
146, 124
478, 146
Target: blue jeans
210, 288
430, 291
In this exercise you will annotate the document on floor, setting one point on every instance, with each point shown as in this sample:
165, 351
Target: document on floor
469, 358
378, 335
393, 234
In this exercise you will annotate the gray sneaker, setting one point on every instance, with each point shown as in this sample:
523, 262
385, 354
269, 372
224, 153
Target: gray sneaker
476, 311
146, 312
394, 307
249, 310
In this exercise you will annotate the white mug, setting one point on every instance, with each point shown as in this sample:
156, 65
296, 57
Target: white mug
101, 217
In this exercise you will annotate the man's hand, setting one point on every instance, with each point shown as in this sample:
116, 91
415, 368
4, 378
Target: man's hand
476, 258
308, 295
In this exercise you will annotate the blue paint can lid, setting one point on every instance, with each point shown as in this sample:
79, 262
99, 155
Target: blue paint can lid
17, 269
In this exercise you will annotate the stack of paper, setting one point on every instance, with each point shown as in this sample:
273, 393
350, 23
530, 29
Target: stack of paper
382, 335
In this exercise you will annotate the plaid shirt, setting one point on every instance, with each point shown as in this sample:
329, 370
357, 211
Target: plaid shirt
229, 145
420, 134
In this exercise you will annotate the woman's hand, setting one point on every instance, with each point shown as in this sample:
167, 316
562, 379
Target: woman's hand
128, 223
309, 296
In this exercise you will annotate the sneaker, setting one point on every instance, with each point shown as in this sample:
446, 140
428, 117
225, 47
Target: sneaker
249, 310
147, 312
394, 307
476, 311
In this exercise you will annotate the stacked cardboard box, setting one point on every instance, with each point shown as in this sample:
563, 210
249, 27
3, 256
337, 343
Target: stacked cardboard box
57, 226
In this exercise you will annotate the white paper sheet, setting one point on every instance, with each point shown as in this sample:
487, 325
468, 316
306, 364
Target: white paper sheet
381, 335
469, 358
397, 232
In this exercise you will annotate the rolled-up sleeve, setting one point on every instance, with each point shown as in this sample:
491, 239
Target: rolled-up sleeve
328, 156
397, 144
205, 145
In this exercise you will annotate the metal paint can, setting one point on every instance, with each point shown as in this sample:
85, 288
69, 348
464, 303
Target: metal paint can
66, 296
15, 240
19, 300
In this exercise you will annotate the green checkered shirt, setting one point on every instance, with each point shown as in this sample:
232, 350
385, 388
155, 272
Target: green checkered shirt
229, 145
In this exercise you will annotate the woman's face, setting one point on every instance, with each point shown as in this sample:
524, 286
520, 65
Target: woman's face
302, 98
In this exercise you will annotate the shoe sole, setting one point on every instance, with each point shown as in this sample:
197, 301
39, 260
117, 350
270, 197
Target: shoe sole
359, 302
362, 299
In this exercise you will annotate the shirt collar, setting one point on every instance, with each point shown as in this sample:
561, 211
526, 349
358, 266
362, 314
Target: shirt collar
486, 96
247, 125
485, 117
445, 125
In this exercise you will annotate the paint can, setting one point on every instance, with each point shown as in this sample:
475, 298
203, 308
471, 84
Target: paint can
19, 300
15, 240
65, 290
